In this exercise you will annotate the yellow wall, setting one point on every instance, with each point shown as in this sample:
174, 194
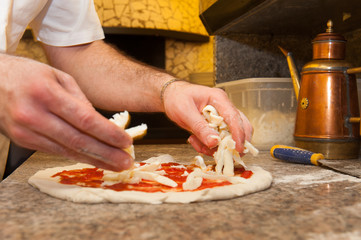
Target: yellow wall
185, 58
176, 15
182, 58
31, 49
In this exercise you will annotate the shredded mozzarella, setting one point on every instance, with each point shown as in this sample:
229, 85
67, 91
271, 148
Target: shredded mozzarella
178, 166
120, 119
165, 158
254, 151
225, 158
226, 154
148, 171
155, 177
199, 161
194, 180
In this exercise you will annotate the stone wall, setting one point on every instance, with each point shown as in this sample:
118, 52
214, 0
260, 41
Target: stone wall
241, 56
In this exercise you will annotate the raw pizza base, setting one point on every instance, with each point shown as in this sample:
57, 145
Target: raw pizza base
42, 180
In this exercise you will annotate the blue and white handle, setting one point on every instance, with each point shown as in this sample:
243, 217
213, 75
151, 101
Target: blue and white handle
295, 155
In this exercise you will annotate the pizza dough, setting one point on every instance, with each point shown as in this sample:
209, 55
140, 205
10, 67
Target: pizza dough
149, 181
44, 181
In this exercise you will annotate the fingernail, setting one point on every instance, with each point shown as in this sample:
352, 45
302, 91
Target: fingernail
213, 140
128, 163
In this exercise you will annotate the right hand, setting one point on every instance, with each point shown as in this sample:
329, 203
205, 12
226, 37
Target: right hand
184, 102
42, 108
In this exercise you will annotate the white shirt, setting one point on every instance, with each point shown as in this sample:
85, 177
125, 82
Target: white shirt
54, 22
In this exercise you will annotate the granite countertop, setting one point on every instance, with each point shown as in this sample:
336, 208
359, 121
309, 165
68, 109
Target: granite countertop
304, 202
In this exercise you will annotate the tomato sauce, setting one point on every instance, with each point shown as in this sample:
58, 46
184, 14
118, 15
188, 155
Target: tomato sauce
92, 177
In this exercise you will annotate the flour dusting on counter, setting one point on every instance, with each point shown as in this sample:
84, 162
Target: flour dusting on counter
354, 209
355, 235
319, 177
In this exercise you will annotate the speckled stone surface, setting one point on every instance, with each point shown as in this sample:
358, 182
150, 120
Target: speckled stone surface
239, 56
304, 202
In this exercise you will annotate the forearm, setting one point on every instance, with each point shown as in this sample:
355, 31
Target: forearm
110, 80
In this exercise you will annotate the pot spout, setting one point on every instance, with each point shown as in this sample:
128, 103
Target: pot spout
293, 71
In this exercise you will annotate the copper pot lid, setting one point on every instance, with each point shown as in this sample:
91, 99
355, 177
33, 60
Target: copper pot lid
329, 45
329, 35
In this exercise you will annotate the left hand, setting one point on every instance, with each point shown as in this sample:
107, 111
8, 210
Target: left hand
184, 102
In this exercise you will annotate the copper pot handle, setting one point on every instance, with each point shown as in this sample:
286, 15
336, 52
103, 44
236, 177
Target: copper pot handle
355, 120
353, 70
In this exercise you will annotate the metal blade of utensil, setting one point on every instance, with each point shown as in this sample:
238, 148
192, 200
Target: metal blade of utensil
350, 167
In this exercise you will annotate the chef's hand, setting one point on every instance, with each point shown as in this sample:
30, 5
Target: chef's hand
42, 108
184, 102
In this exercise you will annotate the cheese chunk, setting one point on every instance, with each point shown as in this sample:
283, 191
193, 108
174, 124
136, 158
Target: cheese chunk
122, 120
226, 155
199, 161
194, 180
148, 171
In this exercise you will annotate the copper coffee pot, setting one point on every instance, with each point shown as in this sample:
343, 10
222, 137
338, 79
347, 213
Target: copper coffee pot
328, 116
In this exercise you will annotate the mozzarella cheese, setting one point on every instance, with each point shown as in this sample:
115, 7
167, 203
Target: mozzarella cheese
226, 154
149, 171
199, 161
122, 120
225, 157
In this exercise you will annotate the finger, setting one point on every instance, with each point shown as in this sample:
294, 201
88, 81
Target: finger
235, 123
65, 105
50, 125
247, 126
87, 120
32, 140
200, 147
199, 127
101, 164
124, 164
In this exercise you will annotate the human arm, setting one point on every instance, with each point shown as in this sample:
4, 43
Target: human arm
112, 81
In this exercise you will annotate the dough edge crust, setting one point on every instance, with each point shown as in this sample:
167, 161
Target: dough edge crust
43, 181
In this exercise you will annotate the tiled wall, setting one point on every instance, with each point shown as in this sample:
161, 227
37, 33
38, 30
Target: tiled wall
185, 58
182, 58
176, 15
31, 49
